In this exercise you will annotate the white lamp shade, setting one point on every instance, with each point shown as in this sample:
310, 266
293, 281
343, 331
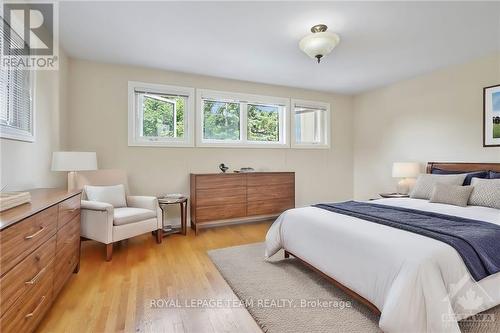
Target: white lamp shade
319, 43
74, 161
405, 170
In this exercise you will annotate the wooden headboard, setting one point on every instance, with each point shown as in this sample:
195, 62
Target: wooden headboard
461, 166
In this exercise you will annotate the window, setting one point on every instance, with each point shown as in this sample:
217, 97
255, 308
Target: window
310, 124
240, 120
160, 115
16, 98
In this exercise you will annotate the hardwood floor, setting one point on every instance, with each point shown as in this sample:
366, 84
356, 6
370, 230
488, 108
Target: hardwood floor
116, 296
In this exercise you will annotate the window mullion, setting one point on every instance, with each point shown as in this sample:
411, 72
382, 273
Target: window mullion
244, 122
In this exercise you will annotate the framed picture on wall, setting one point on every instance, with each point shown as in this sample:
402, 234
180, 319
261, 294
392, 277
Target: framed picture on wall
491, 116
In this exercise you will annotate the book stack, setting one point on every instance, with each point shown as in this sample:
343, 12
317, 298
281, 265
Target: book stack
13, 199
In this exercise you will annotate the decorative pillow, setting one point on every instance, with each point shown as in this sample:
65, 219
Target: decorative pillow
494, 175
468, 177
114, 195
425, 184
486, 193
451, 194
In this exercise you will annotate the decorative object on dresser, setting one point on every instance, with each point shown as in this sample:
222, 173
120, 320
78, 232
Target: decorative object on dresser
491, 116
405, 171
174, 199
228, 198
223, 167
73, 161
39, 250
247, 169
13, 199
108, 223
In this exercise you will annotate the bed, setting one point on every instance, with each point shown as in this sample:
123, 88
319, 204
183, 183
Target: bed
415, 283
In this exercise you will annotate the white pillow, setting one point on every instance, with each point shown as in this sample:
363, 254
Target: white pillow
426, 182
486, 193
114, 195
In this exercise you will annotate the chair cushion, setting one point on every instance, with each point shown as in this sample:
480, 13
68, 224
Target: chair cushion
114, 195
126, 215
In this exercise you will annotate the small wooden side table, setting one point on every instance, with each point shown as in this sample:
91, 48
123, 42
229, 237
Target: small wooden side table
164, 202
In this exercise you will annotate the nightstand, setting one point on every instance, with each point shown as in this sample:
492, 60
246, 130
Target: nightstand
394, 195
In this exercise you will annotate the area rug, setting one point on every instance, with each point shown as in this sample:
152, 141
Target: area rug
285, 296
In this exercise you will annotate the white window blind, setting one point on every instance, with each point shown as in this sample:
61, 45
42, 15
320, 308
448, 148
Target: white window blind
16, 97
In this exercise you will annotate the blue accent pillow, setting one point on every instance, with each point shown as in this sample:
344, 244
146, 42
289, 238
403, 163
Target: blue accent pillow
468, 178
494, 175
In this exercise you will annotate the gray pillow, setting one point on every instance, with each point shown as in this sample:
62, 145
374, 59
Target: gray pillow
486, 193
114, 195
451, 194
425, 184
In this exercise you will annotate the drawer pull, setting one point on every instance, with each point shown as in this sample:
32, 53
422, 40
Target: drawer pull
36, 277
35, 234
29, 315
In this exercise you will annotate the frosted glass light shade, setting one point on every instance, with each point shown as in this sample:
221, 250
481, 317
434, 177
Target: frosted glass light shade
405, 170
73, 161
319, 43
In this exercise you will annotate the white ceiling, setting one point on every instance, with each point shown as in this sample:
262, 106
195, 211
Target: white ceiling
380, 42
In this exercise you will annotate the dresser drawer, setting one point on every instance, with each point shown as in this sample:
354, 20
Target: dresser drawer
221, 196
26, 275
17, 241
220, 181
269, 207
270, 192
221, 212
261, 179
68, 209
29, 309
66, 261
68, 234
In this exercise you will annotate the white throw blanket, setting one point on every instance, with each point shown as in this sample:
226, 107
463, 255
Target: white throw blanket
419, 284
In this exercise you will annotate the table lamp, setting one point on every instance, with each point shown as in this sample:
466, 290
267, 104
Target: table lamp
73, 161
405, 171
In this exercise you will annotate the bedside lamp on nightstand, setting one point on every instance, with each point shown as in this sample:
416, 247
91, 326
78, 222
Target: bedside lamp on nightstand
405, 171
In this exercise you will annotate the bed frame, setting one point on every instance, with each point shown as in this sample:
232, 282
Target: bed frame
461, 166
451, 166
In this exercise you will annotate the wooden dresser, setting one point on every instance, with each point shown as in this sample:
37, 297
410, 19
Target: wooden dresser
233, 197
39, 250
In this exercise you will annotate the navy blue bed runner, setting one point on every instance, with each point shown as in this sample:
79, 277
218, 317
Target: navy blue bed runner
477, 242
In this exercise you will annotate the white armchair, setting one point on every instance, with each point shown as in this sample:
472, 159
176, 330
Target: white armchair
104, 223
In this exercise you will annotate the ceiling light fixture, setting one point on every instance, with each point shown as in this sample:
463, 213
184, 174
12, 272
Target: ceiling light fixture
320, 43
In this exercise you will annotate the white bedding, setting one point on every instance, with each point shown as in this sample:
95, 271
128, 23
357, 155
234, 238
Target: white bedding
418, 283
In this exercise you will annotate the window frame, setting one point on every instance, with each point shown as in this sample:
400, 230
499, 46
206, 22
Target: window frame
326, 126
244, 100
134, 140
12, 133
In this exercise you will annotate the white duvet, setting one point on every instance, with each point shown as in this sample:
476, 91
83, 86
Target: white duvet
418, 283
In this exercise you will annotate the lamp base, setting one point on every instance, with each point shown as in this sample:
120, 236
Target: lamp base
71, 180
403, 187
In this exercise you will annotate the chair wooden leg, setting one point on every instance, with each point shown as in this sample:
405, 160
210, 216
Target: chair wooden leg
159, 236
109, 251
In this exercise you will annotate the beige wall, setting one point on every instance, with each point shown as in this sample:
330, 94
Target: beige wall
98, 122
435, 117
26, 165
